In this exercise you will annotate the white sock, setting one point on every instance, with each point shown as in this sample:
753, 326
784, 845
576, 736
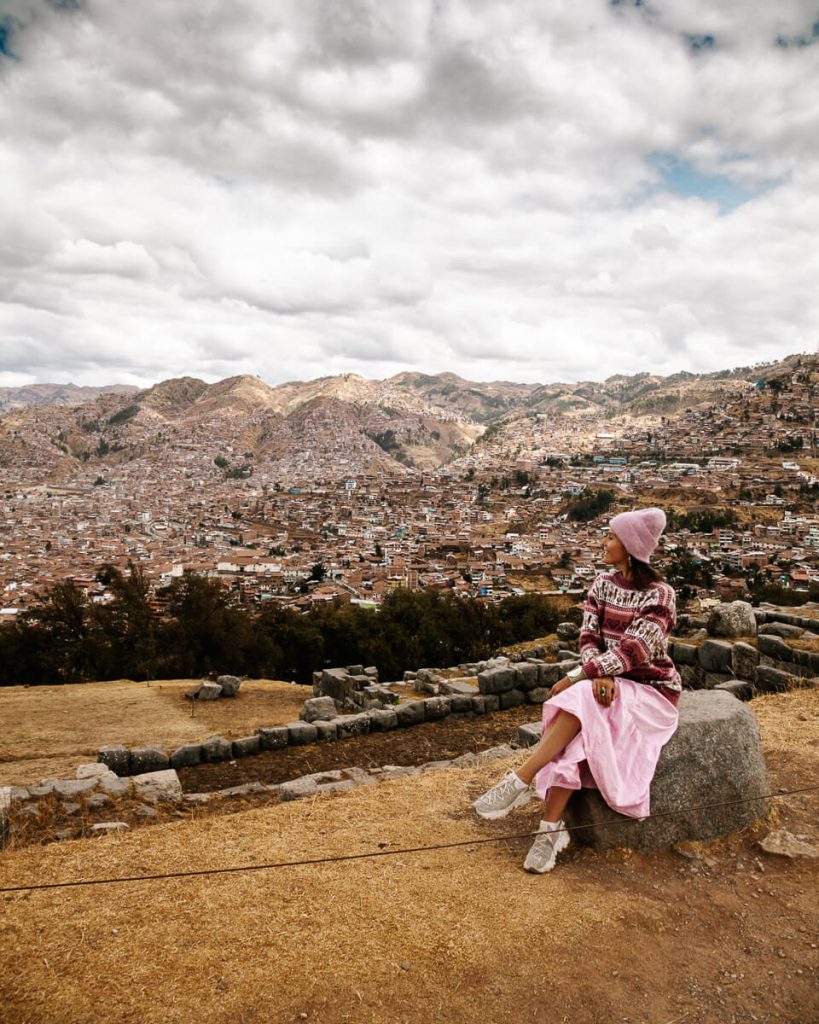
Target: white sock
550, 826
518, 782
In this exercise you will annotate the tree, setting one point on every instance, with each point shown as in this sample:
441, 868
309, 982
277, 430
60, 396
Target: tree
318, 572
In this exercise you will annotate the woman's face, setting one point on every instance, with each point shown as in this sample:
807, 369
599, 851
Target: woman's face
613, 551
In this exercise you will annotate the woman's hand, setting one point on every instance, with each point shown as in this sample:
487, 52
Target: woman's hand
560, 686
605, 690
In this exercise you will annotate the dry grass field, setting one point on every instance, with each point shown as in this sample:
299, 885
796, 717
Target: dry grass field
717, 933
49, 730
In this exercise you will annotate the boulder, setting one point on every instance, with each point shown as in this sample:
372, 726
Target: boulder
714, 758
155, 786
230, 685
92, 770
410, 713
496, 680
187, 756
734, 618
780, 629
348, 726
301, 732
567, 631
336, 682
715, 656
744, 660
772, 680
246, 746
527, 676
382, 719
325, 731
205, 691
116, 757
437, 707
529, 734
216, 748
682, 654
273, 737
512, 699
148, 759
319, 709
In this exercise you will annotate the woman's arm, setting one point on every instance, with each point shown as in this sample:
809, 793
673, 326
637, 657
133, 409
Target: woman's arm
591, 635
643, 641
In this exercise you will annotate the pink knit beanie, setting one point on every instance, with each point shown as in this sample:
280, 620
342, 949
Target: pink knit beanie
639, 531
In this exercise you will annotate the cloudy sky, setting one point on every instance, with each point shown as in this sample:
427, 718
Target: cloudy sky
531, 190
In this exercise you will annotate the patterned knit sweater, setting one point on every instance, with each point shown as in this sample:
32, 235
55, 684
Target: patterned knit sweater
625, 632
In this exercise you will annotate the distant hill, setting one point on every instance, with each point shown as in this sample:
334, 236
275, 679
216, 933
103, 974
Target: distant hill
347, 424
57, 394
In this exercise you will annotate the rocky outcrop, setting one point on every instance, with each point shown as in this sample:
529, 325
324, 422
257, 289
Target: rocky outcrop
710, 781
732, 619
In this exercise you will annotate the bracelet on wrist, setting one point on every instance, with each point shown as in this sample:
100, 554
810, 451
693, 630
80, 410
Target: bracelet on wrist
576, 674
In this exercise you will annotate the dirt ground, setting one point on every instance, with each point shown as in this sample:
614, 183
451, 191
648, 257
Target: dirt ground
715, 933
71, 723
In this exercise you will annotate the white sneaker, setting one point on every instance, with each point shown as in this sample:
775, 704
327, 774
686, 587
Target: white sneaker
503, 798
548, 843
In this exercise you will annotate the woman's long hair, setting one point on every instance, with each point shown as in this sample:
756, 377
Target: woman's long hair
643, 575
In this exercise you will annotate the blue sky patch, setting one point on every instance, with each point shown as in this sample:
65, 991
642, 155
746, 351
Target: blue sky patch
799, 41
680, 177
5, 39
698, 43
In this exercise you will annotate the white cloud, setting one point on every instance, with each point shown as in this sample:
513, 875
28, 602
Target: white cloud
468, 185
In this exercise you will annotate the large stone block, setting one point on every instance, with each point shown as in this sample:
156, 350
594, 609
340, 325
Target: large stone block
205, 691
116, 757
156, 786
529, 734
744, 660
352, 725
273, 737
319, 709
772, 680
496, 680
715, 656
682, 654
774, 647
230, 685
300, 733
336, 682
410, 713
383, 719
553, 673
512, 699
527, 676
734, 618
148, 759
186, 756
710, 781
246, 746
437, 707
216, 748
326, 732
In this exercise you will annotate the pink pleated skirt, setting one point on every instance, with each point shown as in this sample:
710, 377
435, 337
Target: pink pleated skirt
617, 748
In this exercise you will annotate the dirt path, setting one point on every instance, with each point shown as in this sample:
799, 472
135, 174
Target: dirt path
718, 933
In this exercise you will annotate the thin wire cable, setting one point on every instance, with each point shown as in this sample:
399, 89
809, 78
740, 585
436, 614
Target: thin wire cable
391, 853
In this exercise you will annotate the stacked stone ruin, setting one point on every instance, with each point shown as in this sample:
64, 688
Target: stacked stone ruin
711, 652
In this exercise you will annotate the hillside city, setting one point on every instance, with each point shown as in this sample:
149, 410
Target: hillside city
339, 496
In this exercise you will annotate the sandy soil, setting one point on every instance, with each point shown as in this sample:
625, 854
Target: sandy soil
49, 730
716, 932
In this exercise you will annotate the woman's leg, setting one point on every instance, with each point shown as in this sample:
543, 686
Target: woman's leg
559, 734
555, 803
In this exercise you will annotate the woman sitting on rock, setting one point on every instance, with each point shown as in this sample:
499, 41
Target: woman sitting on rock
607, 720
